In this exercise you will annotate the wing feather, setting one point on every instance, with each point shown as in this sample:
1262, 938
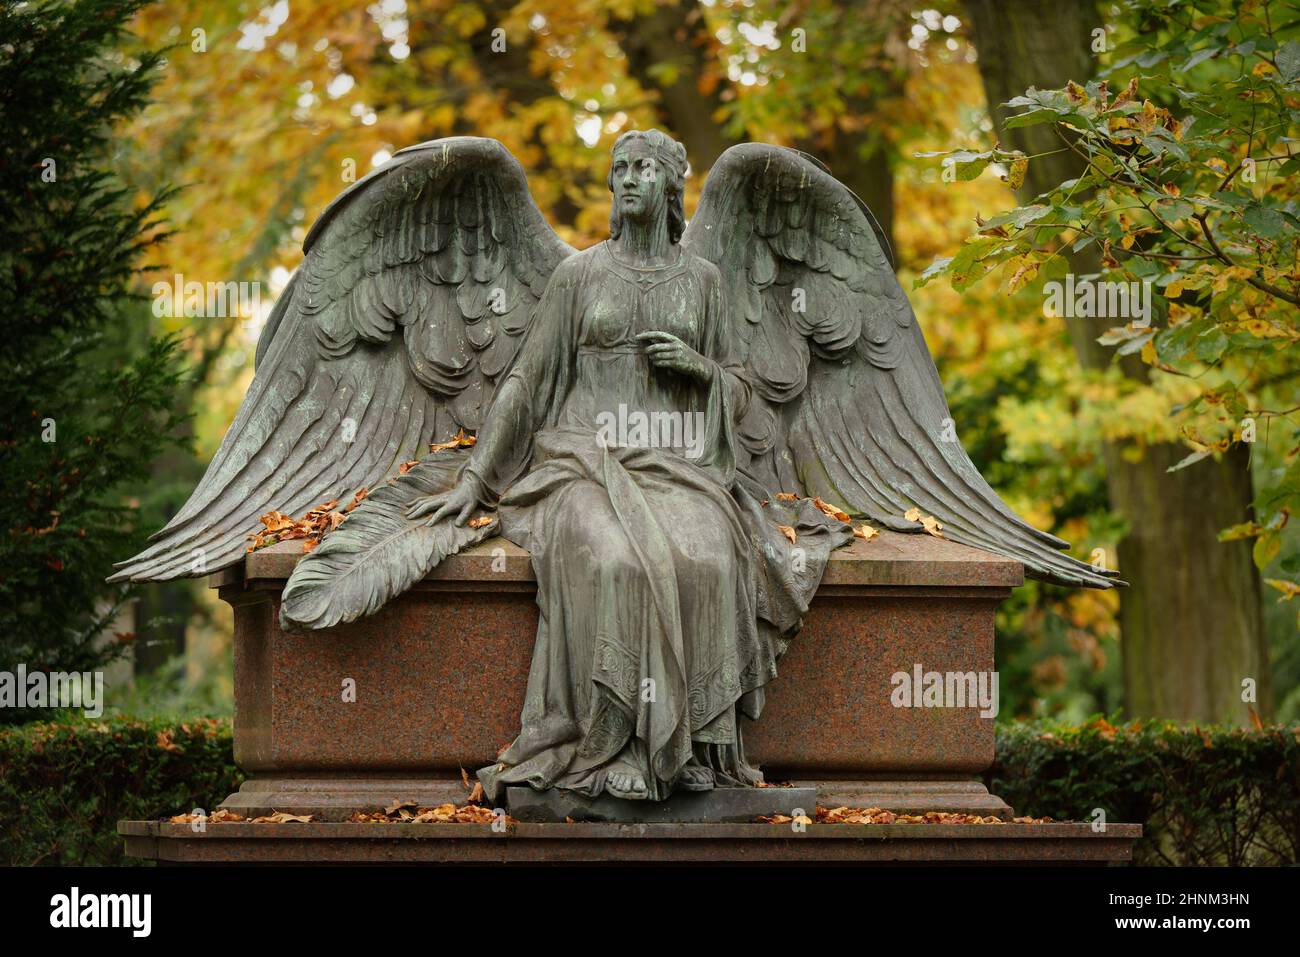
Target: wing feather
388, 337
864, 421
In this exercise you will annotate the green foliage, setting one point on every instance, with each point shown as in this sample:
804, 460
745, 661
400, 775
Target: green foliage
1187, 139
85, 396
1205, 796
64, 787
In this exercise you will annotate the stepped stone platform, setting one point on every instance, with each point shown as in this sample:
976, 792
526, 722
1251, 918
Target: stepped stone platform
818, 844
394, 707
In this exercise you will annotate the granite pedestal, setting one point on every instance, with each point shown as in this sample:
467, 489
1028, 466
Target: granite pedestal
393, 707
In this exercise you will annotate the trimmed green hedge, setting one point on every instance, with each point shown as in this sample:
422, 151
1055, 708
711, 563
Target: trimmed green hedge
1205, 796
64, 787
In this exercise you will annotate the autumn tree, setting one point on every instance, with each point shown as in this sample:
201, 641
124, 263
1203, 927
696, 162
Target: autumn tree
1137, 176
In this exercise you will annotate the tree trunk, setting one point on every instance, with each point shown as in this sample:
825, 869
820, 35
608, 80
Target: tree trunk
1191, 623
667, 51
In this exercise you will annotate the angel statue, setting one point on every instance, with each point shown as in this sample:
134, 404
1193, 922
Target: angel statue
648, 414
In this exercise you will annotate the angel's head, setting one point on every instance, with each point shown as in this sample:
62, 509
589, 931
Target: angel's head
647, 175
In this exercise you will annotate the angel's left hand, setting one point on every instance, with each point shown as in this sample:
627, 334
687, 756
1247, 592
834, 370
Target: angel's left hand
666, 351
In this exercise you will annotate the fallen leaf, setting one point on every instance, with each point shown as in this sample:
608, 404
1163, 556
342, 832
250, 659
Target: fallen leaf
1255, 721
832, 510
789, 533
928, 522
458, 441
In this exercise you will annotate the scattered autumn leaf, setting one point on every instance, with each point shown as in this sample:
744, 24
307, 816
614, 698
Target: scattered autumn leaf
928, 522
875, 815
458, 441
833, 511
442, 814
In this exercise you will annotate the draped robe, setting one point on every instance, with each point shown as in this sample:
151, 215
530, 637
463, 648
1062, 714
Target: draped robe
666, 590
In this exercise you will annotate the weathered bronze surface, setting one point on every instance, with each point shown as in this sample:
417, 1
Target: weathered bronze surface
638, 406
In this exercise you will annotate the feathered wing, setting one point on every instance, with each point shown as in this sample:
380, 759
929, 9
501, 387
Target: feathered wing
416, 287
847, 402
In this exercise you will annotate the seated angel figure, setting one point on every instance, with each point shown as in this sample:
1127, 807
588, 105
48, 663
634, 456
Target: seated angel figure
660, 421
649, 639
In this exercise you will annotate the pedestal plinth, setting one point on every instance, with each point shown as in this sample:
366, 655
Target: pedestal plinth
393, 707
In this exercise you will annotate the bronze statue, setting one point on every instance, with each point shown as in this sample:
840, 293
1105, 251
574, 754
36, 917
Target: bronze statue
640, 407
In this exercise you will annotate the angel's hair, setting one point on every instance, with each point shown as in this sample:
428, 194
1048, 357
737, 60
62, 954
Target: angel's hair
671, 157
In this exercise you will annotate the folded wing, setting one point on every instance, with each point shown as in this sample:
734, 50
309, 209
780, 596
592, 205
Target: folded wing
847, 402
416, 287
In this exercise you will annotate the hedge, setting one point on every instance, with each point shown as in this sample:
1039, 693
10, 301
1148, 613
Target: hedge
64, 787
1205, 795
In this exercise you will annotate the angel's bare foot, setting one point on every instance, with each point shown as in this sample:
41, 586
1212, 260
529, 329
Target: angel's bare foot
695, 777
623, 780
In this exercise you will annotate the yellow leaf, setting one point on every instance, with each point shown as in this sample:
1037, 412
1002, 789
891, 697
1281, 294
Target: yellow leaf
1016, 175
1288, 589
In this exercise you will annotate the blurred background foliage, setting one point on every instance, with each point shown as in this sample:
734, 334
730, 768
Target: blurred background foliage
262, 113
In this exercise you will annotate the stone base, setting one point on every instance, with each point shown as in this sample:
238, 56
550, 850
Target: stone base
323, 843
721, 805
438, 675
336, 798
912, 797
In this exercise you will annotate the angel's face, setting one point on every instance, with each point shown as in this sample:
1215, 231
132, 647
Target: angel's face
638, 185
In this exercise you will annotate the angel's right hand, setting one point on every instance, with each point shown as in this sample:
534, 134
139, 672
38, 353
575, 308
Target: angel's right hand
460, 501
